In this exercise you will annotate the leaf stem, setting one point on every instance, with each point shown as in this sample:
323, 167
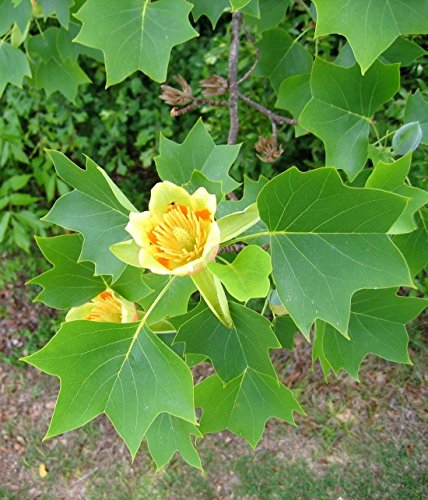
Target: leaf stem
248, 237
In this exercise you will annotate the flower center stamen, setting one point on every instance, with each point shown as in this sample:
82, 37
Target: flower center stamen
184, 238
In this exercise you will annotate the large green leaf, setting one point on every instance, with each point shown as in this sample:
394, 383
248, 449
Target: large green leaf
55, 63
343, 102
417, 110
177, 162
169, 434
414, 245
244, 405
132, 285
122, 370
231, 351
96, 208
13, 66
14, 12
210, 9
393, 177
271, 14
247, 276
70, 282
294, 93
135, 34
59, 8
281, 56
328, 241
371, 26
173, 303
376, 327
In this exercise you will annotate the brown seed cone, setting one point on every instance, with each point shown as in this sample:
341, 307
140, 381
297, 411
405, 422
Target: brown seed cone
177, 97
268, 149
215, 85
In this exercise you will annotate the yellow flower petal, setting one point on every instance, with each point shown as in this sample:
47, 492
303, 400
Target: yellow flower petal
140, 225
165, 194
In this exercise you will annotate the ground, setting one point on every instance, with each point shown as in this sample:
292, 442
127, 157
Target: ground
358, 440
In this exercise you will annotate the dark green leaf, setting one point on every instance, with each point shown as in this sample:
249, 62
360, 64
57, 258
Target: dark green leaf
371, 26
169, 434
393, 177
328, 241
177, 162
96, 208
69, 283
13, 66
231, 351
343, 102
135, 34
244, 405
376, 327
281, 56
210, 9
122, 370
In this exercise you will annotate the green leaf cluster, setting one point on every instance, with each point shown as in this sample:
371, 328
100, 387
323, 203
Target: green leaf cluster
326, 247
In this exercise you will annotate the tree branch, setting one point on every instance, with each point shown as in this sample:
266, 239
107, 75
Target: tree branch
279, 119
233, 77
197, 102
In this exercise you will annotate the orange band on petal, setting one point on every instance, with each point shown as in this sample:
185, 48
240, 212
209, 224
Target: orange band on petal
106, 295
152, 237
164, 262
203, 214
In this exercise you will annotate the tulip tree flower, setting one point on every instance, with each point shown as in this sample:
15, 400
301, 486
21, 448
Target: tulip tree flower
108, 306
178, 236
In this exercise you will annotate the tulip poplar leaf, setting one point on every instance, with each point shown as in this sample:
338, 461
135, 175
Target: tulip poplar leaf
343, 102
377, 326
210, 9
173, 303
14, 12
247, 276
247, 344
393, 177
247, 402
414, 245
56, 67
69, 283
94, 209
417, 110
59, 8
14, 66
122, 370
270, 15
328, 241
169, 434
371, 26
281, 57
177, 162
135, 34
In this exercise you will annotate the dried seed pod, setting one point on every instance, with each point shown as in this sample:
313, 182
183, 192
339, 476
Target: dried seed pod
177, 97
215, 85
268, 149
